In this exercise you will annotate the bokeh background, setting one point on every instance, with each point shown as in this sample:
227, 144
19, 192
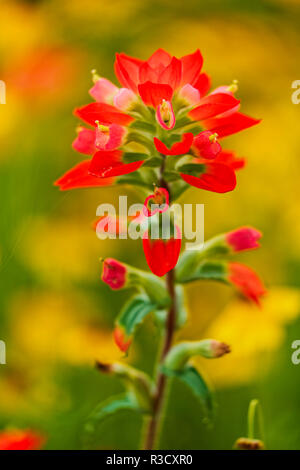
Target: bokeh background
56, 316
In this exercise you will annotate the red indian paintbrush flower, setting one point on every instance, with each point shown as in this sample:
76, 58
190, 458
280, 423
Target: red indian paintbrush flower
17, 439
151, 92
247, 281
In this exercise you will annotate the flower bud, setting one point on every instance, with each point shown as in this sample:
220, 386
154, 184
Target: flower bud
120, 275
182, 352
120, 339
243, 238
157, 202
247, 281
114, 274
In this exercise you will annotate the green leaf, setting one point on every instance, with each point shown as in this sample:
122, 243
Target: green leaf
134, 312
192, 378
130, 157
144, 126
152, 162
207, 270
108, 408
194, 169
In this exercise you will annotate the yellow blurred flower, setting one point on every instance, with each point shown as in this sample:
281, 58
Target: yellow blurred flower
255, 335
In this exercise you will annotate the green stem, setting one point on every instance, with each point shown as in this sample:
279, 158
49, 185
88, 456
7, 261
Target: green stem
255, 410
161, 381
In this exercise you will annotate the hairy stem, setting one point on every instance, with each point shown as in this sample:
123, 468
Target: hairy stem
154, 422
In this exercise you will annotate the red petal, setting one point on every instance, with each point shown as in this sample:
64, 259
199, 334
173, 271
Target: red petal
161, 255
203, 83
231, 124
121, 340
218, 178
102, 112
171, 74
127, 71
229, 158
78, 177
191, 67
179, 148
159, 57
247, 281
106, 164
152, 94
212, 105
85, 141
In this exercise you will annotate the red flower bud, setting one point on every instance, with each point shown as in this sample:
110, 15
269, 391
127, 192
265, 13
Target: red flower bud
160, 199
120, 339
162, 254
244, 238
247, 281
114, 273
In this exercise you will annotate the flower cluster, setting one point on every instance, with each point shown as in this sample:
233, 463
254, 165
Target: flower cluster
162, 129
163, 110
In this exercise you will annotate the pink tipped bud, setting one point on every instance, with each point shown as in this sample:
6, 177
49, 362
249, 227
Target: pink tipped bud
189, 94
114, 273
165, 115
244, 238
124, 98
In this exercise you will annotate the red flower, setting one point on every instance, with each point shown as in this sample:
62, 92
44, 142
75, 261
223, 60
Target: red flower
227, 157
109, 137
247, 281
79, 177
120, 339
205, 145
114, 273
20, 440
162, 254
179, 148
243, 238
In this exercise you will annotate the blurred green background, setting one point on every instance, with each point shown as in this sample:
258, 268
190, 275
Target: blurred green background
56, 316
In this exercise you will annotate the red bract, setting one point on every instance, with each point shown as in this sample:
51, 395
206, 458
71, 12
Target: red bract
162, 254
106, 164
160, 199
79, 177
229, 158
213, 105
217, 177
179, 148
247, 281
225, 126
102, 112
243, 238
20, 440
